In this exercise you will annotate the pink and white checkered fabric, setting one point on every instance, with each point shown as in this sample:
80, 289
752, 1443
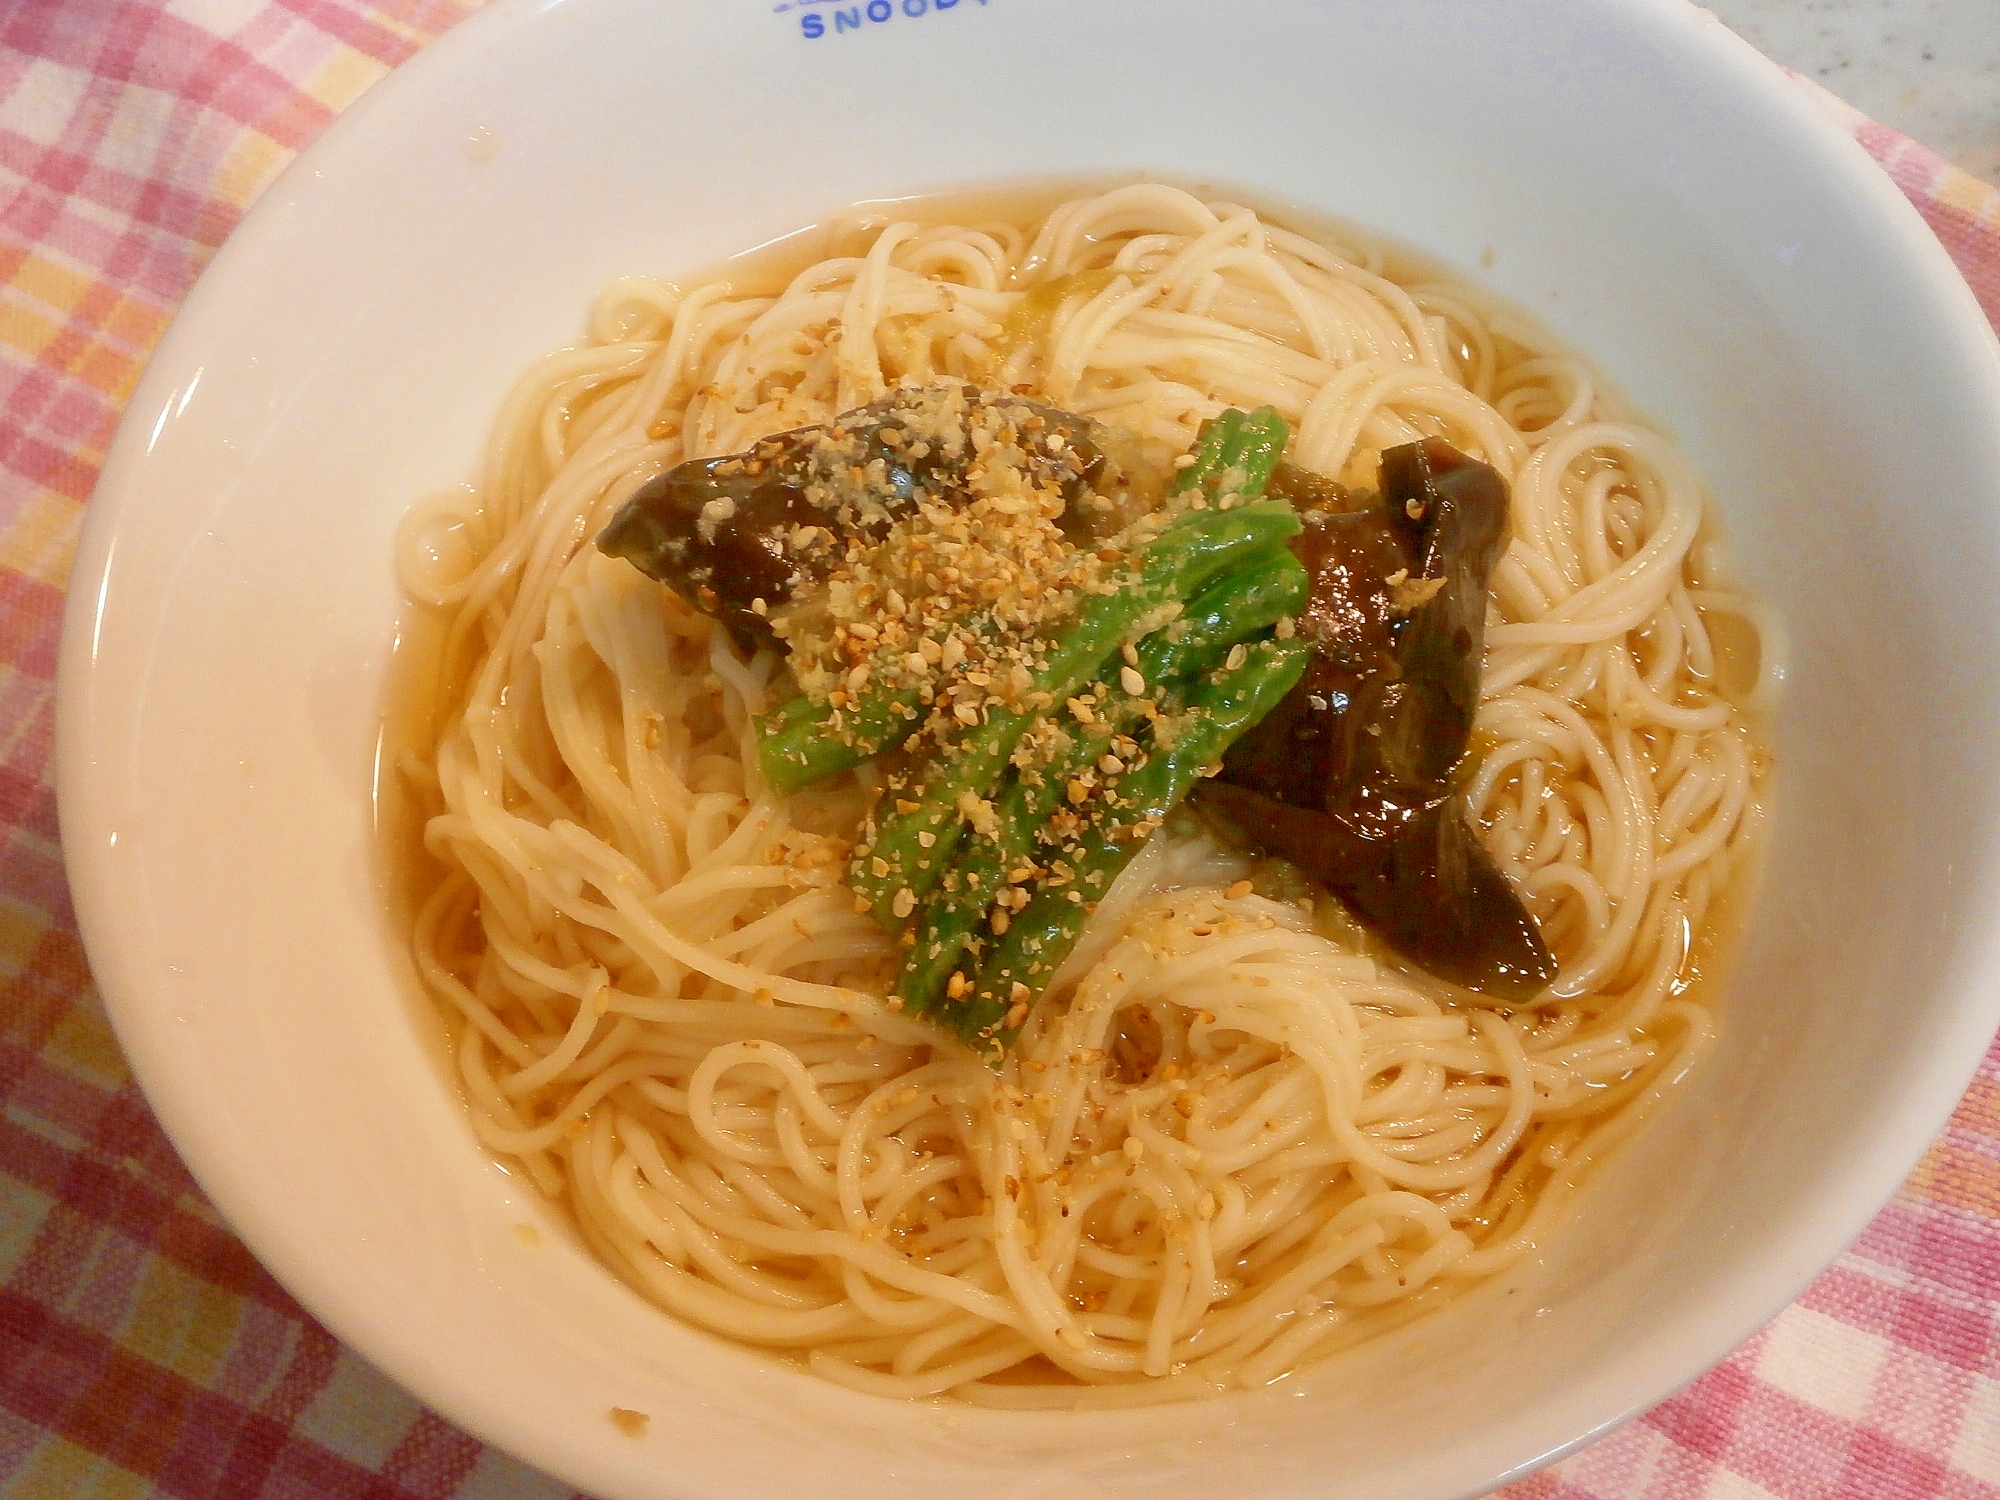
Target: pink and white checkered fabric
143, 1352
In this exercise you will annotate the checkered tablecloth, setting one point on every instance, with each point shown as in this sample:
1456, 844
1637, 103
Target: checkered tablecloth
143, 1352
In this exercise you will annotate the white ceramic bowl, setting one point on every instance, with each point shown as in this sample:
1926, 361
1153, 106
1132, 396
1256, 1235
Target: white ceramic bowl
1625, 170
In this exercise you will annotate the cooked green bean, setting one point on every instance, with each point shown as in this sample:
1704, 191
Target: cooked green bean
1179, 560
954, 909
1039, 937
1235, 451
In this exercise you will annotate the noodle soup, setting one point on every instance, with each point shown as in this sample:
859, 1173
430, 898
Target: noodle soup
1235, 1131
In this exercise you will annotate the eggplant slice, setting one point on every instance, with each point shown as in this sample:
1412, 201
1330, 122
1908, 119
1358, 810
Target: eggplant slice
743, 536
1351, 777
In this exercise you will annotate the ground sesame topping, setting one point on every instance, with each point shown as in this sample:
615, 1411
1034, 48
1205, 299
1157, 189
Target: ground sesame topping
949, 607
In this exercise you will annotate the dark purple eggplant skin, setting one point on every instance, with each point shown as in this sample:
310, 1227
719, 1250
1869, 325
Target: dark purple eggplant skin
1351, 777
1428, 888
722, 566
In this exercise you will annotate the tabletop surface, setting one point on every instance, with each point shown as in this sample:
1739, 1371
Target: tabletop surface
1928, 68
144, 1352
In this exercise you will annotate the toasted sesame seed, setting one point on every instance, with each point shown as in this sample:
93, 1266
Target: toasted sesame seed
1130, 680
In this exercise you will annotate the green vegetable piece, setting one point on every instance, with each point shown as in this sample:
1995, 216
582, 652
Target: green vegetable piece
1219, 709
799, 743
1179, 560
951, 927
797, 747
1234, 453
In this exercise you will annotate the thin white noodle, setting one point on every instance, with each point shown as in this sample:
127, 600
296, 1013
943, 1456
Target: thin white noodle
1227, 1143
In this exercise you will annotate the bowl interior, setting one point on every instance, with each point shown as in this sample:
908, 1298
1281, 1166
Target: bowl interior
1627, 173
